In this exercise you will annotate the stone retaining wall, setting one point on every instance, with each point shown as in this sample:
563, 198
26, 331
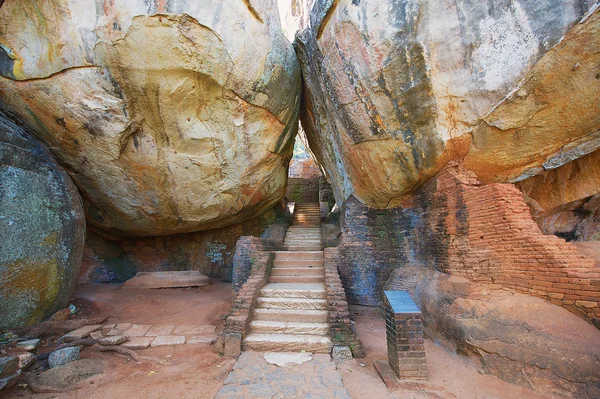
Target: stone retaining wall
339, 316
483, 233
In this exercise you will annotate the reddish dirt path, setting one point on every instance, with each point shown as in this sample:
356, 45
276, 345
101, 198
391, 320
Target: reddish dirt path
449, 375
195, 371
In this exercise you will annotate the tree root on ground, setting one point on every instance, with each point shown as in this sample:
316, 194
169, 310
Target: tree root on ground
131, 354
56, 327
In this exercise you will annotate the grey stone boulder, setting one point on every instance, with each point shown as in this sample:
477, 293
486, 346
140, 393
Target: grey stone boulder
8, 365
42, 230
63, 356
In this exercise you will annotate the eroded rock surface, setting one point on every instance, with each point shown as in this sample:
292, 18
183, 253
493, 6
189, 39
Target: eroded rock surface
42, 229
171, 116
394, 90
521, 339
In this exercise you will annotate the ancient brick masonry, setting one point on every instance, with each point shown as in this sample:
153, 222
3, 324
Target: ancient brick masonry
339, 316
483, 233
404, 331
501, 245
252, 263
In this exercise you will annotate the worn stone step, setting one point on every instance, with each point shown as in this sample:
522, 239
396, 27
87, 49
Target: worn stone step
304, 228
292, 242
293, 263
287, 343
296, 248
279, 327
300, 316
291, 303
303, 237
298, 255
296, 279
285, 290
298, 271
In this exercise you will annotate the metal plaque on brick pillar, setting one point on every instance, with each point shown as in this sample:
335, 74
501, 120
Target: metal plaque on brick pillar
405, 339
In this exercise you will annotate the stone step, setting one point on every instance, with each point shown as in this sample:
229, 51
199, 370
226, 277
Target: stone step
278, 327
297, 279
295, 248
303, 237
308, 224
303, 228
291, 303
293, 263
287, 343
283, 290
292, 241
297, 316
298, 271
298, 255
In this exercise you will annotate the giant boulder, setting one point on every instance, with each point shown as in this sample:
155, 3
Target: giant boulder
171, 117
518, 338
42, 230
396, 89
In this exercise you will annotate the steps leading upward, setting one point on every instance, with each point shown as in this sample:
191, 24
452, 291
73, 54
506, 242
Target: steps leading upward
291, 311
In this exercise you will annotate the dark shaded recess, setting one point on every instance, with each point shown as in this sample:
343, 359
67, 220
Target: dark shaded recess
6, 63
114, 270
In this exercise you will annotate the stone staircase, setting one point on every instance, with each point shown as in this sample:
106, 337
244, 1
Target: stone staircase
291, 310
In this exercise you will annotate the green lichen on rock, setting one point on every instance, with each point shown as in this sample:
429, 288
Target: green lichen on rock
42, 230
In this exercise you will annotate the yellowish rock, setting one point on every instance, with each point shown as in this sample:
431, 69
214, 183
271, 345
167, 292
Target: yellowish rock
171, 117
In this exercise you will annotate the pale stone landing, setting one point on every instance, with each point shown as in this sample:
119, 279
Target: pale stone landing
291, 311
253, 377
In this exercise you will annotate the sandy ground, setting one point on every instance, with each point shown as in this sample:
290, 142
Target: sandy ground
449, 375
195, 371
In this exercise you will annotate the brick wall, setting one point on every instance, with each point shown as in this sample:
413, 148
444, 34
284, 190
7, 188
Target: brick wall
339, 316
457, 226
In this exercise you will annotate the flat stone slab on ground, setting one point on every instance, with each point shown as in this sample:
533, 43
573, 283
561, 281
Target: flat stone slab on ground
201, 339
155, 331
136, 330
138, 343
80, 333
253, 377
176, 279
194, 330
168, 340
286, 359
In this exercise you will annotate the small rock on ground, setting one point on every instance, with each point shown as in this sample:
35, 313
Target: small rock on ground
26, 359
8, 365
10, 380
29, 345
61, 315
341, 353
63, 356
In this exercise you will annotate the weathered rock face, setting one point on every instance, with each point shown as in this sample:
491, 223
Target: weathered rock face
42, 229
518, 338
394, 90
170, 116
